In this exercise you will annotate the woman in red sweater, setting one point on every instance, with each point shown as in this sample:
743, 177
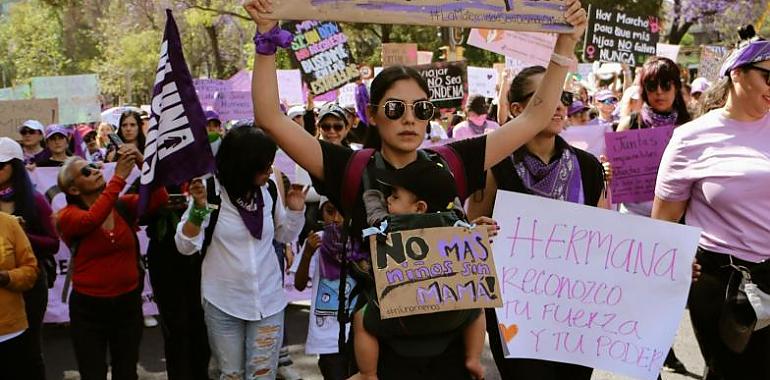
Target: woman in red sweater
105, 304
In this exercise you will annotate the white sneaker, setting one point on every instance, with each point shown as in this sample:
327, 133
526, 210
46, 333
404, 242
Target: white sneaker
150, 321
288, 373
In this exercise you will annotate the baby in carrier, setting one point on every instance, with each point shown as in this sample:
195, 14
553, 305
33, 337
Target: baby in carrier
419, 188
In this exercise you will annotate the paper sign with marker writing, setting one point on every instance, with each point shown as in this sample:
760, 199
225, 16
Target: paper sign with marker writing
399, 54
590, 286
711, 58
482, 81
234, 105
290, 86
434, 269
78, 96
635, 157
15, 112
616, 36
207, 89
530, 48
547, 16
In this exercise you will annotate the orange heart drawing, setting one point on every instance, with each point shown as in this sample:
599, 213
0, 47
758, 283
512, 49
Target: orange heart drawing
509, 332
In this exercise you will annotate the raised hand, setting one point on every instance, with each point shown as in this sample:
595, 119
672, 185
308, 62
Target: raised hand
295, 197
257, 9
198, 192
577, 17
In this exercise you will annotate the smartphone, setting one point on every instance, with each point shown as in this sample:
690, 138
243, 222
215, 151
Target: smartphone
116, 141
177, 201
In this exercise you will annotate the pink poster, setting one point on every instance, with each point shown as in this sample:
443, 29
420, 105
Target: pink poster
528, 47
635, 157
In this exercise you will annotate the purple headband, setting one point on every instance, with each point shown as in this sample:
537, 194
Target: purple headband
755, 51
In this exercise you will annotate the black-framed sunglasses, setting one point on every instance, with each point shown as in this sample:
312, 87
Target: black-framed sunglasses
27, 131
566, 98
765, 72
89, 169
326, 127
395, 109
652, 86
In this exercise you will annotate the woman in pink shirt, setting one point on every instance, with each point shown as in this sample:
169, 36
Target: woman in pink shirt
716, 172
477, 123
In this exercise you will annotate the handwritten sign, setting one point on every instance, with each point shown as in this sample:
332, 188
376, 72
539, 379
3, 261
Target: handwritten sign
434, 269
635, 157
399, 54
447, 81
234, 105
207, 89
578, 283
15, 112
321, 50
711, 58
78, 96
498, 14
482, 81
614, 36
530, 48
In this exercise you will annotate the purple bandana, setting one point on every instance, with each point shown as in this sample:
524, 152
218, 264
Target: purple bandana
477, 130
268, 43
331, 252
654, 119
6, 194
558, 180
251, 211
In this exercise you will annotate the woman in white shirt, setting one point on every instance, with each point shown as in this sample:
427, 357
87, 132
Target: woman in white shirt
241, 282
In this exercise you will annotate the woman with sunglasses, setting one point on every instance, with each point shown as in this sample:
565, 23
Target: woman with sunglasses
105, 306
606, 103
476, 123
716, 171
31, 132
19, 198
662, 106
333, 124
399, 112
539, 168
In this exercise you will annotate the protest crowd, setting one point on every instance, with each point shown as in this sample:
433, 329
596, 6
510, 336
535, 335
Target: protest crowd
401, 185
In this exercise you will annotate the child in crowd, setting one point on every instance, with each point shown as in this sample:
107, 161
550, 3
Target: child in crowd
418, 188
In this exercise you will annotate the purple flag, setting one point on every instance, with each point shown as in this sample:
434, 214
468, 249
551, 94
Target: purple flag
177, 147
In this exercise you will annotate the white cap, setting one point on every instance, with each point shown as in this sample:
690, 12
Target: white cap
33, 124
322, 200
700, 84
295, 111
9, 150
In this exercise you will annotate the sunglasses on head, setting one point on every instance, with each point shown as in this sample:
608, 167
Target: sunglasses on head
89, 169
27, 131
326, 127
566, 97
765, 72
652, 86
395, 109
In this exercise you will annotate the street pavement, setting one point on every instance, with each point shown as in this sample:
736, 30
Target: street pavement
60, 359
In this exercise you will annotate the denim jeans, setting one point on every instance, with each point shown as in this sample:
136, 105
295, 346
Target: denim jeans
244, 349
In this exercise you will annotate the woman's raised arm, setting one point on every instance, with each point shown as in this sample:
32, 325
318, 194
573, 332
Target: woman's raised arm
542, 105
303, 148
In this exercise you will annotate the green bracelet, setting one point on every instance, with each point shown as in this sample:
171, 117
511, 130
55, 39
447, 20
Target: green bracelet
198, 215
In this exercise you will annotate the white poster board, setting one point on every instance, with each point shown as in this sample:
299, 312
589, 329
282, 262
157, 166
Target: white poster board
578, 284
78, 96
482, 81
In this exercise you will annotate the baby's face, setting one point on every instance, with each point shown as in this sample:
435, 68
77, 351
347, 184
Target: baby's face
402, 201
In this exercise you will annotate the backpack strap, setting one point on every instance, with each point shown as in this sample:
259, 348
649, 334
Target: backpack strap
272, 188
354, 172
456, 166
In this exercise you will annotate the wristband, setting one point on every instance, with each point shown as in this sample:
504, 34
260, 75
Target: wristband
198, 215
268, 43
562, 60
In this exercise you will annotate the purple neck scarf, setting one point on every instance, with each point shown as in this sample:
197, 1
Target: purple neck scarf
331, 252
558, 180
6, 194
251, 208
477, 130
654, 119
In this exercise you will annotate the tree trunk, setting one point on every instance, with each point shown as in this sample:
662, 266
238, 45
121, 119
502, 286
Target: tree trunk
678, 32
219, 67
386, 28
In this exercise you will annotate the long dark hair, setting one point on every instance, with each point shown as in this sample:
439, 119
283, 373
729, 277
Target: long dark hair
380, 85
658, 70
23, 198
140, 138
521, 85
245, 152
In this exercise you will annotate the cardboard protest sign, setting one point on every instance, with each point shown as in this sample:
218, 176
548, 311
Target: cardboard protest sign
578, 283
234, 105
78, 96
711, 58
448, 83
498, 14
399, 54
615, 36
322, 53
434, 269
15, 112
482, 81
530, 48
635, 156
207, 89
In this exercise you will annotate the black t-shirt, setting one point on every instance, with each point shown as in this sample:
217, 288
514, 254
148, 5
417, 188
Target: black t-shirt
591, 172
358, 133
48, 162
335, 158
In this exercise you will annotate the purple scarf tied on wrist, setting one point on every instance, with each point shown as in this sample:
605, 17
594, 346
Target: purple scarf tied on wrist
268, 43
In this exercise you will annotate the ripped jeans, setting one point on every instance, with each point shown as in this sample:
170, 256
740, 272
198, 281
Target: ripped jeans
244, 347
